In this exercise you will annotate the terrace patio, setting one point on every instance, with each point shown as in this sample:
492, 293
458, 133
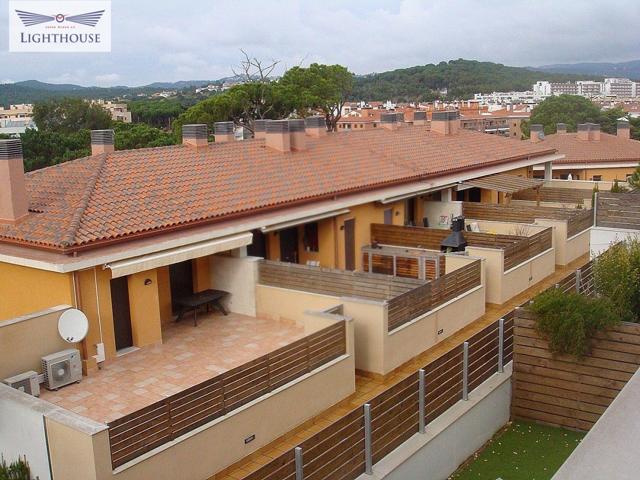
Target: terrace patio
188, 356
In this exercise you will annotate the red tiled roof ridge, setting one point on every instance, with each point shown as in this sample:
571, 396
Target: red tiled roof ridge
74, 225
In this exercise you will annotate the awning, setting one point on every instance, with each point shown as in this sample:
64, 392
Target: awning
300, 221
178, 254
503, 182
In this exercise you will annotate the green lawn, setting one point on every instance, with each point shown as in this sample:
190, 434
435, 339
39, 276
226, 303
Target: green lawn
524, 451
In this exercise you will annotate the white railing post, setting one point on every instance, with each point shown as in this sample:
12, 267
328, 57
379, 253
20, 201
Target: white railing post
368, 448
501, 345
421, 401
465, 371
298, 458
578, 280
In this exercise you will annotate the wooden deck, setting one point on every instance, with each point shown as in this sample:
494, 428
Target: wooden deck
368, 388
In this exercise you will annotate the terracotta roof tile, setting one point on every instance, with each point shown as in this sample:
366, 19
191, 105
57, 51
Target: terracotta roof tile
113, 196
610, 148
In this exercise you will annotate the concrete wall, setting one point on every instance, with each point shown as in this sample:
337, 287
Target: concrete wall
451, 438
238, 276
507, 228
413, 338
24, 290
601, 238
22, 431
559, 240
25, 340
369, 317
501, 286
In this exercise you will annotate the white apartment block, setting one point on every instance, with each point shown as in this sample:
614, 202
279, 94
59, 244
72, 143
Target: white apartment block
611, 87
22, 111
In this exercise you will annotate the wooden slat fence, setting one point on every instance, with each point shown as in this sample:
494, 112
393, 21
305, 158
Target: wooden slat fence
555, 194
517, 249
560, 390
328, 281
618, 210
338, 451
163, 421
577, 219
420, 300
527, 248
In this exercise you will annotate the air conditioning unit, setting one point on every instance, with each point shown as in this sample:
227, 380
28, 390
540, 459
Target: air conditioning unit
26, 382
62, 368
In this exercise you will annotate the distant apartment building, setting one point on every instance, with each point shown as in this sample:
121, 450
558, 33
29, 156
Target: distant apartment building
589, 88
118, 111
564, 88
529, 97
620, 87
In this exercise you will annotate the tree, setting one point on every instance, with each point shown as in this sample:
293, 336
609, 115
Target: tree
157, 113
318, 87
43, 148
69, 115
140, 135
634, 179
568, 109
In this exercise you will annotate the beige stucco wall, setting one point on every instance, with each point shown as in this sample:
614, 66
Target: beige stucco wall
507, 228
238, 276
369, 318
413, 338
559, 237
25, 340
577, 246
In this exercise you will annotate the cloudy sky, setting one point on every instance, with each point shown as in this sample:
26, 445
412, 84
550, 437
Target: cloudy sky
170, 40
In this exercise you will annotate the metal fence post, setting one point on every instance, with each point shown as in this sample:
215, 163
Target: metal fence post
465, 371
298, 457
501, 345
421, 400
578, 280
368, 451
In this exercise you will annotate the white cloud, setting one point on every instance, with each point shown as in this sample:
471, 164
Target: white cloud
203, 41
107, 79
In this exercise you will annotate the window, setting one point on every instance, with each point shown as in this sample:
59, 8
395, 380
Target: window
310, 238
597, 178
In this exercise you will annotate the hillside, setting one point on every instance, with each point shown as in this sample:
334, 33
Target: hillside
33, 91
623, 69
461, 78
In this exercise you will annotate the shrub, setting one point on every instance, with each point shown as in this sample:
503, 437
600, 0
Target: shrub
569, 320
18, 470
617, 188
617, 277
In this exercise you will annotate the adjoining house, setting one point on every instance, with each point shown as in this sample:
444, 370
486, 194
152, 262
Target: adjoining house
130, 237
590, 154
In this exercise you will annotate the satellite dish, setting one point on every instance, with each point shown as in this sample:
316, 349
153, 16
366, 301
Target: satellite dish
73, 325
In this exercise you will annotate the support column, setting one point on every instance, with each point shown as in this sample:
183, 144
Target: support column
548, 171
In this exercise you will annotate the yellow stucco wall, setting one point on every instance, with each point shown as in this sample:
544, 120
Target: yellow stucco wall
164, 292
97, 308
24, 290
201, 277
331, 235
144, 303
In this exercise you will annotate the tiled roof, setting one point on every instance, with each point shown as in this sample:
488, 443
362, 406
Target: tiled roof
115, 196
610, 148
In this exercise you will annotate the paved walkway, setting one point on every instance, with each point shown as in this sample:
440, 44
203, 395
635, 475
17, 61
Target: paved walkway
367, 388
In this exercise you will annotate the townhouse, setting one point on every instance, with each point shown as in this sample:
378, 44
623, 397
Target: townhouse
125, 236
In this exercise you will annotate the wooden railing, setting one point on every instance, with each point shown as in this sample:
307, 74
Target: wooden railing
396, 416
416, 302
517, 248
329, 281
527, 248
556, 195
168, 419
577, 219
340, 451
618, 210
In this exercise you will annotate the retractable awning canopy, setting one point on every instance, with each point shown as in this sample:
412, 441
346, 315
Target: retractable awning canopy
505, 183
178, 254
